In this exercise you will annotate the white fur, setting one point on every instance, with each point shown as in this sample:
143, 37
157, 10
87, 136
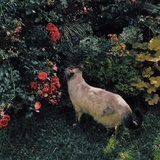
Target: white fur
105, 107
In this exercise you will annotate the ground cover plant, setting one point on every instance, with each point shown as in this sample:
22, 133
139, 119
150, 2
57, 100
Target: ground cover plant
52, 136
118, 43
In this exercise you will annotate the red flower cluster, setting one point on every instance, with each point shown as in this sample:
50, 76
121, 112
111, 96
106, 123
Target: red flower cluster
46, 88
4, 120
54, 32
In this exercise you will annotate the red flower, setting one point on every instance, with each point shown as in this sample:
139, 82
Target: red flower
1, 124
42, 76
34, 85
53, 102
6, 116
58, 85
54, 79
53, 87
37, 105
46, 85
49, 26
4, 122
46, 88
54, 32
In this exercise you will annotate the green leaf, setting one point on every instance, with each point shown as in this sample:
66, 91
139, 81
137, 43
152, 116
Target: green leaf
64, 2
143, 46
147, 72
28, 12
141, 85
38, 19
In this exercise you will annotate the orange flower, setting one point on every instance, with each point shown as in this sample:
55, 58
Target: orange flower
115, 39
37, 105
55, 67
109, 35
42, 76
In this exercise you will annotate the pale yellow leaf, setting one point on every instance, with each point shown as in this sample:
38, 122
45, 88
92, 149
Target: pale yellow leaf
147, 72
154, 44
155, 81
152, 99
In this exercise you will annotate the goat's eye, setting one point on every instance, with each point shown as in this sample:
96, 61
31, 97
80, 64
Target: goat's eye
71, 70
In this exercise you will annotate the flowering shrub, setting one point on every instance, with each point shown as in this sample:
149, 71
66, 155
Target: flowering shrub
117, 46
46, 87
26, 32
24, 50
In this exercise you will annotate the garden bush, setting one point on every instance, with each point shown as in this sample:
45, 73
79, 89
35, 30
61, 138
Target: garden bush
27, 49
37, 37
107, 69
147, 60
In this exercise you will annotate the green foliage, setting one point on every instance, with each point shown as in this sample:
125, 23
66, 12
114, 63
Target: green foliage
131, 35
25, 48
10, 80
112, 73
102, 69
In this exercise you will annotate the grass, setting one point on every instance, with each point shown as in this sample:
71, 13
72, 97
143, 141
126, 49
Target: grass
51, 136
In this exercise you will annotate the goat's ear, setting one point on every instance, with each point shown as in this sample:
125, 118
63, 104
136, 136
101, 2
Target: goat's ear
81, 67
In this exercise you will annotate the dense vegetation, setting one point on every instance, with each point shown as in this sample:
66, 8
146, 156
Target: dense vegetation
118, 41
